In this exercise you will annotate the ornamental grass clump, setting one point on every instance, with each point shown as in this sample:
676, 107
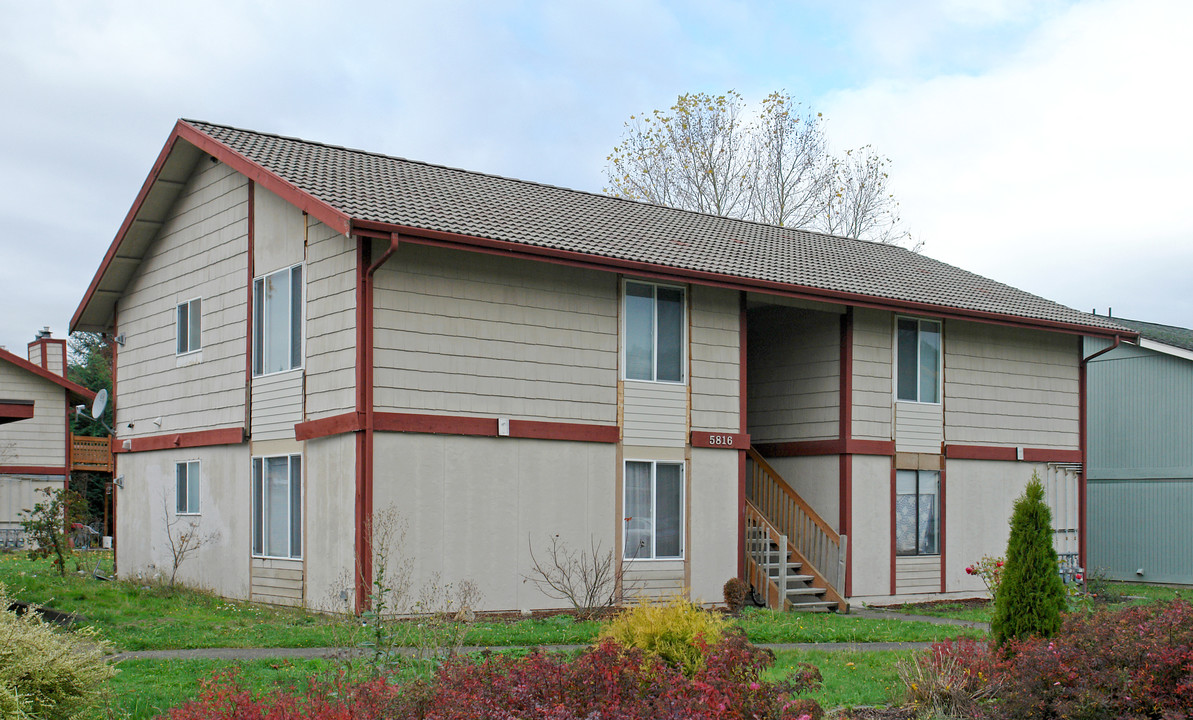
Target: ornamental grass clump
46, 672
675, 632
1031, 595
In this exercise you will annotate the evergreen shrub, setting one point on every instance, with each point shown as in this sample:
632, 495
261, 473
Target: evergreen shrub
1031, 595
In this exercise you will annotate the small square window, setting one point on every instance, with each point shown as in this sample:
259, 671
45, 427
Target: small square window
186, 493
189, 326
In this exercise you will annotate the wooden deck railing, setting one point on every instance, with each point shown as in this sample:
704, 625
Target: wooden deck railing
820, 549
90, 454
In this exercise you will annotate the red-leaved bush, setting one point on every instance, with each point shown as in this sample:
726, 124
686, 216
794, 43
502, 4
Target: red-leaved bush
955, 678
608, 681
1136, 662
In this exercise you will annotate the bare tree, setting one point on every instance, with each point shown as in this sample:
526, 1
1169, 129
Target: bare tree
183, 538
696, 156
707, 154
791, 167
590, 580
858, 203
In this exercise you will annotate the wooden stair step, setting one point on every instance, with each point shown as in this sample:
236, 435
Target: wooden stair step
805, 591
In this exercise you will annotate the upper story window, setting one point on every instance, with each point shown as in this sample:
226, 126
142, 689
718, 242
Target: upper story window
918, 360
186, 484
277, 321
654, 332
189, 326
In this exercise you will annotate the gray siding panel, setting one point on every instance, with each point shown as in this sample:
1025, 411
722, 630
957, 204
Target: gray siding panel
471, 334
654, 414
277, 405
330, 322
793, 374
1141, 524
1140, 415
1010, 386
41, 439
200, 251
873, 415
716, 358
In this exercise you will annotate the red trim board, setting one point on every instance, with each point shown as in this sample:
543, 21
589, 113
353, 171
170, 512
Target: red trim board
1002, 452
851, 446
202, 438
743, 425
455, 425
13, 410
33, 470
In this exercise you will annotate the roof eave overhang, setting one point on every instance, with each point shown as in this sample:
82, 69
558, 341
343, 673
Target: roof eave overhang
96, 311
424, 236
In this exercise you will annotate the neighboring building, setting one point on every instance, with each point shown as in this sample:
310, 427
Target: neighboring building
314, 335
1140, 427
36, 403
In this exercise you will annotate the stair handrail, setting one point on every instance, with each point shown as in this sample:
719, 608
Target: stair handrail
823, 557
784, 488
756, 572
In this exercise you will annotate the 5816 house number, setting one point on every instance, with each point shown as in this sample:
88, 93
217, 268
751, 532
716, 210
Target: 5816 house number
720, 440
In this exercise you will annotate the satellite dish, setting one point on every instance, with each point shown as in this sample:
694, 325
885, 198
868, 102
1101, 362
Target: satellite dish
101, 402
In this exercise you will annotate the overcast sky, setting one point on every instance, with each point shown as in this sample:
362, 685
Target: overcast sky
1042, 144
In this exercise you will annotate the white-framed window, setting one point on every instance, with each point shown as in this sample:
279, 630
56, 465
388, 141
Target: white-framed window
186, 487
189, 326
277, 506
277, 321
917, 360
655, 322
917, 512
653, 500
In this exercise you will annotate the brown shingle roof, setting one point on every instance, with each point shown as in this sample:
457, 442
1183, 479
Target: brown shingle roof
371, 187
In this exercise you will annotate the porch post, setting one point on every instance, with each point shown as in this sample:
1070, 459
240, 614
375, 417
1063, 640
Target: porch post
743, 428
845, 433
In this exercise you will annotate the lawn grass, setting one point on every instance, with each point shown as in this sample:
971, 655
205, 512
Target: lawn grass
153, 617
851, 679
973, 612
767, 626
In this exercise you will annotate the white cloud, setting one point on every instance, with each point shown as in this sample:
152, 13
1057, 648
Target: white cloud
1057, 168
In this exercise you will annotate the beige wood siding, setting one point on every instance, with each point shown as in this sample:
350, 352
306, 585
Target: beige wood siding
653, 579
278, 582
18, 494
872, 372
200, 252
35, 354
654, 414
716, 339
279, 233
915, 575
277, 405
330, 322
919, 427
471, 334
41, 439
793, 374
1009, 386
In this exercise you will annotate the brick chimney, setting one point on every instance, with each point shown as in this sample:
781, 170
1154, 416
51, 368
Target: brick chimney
47, 352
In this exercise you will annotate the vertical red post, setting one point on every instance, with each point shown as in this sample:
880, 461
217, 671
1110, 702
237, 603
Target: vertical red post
845, 433
743, 427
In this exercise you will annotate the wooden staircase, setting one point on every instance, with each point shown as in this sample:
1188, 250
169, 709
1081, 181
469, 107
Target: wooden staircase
794, 559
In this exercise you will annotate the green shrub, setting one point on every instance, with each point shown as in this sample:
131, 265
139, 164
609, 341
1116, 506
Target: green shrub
45, 672
1031, 596
675, 631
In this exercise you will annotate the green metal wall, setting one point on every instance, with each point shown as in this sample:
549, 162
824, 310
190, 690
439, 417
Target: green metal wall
1140, 464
